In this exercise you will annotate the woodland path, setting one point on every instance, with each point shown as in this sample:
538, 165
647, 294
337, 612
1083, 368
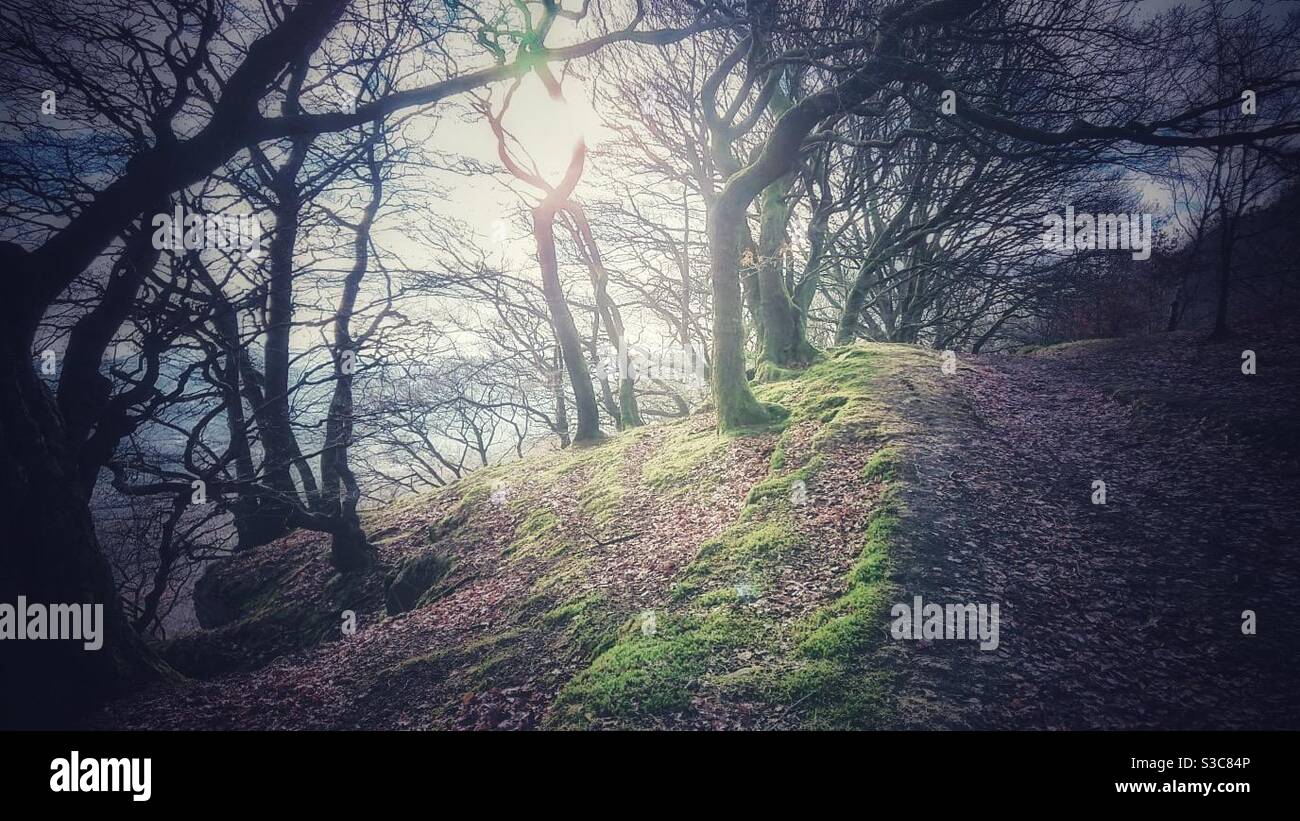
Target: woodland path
1127, 614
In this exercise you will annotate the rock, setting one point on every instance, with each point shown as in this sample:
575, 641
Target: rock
444, 527
412, 579
231, 589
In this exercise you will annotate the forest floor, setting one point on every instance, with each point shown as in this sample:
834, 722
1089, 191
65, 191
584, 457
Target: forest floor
673, 578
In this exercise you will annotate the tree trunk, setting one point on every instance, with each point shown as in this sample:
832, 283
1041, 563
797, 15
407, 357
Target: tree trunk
1227, 228
736, 404
257, 520
783, 343
566, 332
853, 304
84, 394
274, 421
50, 554
339, 491
626, 410
561, 407
168, 551
629, 414
1172, 324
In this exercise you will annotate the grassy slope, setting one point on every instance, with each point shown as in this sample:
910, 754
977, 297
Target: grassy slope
714, 647
735, 598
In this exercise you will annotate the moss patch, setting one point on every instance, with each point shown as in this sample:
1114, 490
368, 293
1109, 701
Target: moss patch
677, 465
651, 672
534, 532
742, 552
600, 495
585, 626
275, 624
413, 578
882, 466
777, 487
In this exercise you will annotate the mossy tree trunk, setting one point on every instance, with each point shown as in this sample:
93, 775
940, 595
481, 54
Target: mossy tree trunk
847, 330
629, 412
736, 404
783, 341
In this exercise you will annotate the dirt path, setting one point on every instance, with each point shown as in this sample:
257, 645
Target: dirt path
1127, 614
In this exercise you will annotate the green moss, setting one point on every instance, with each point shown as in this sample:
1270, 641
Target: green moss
853, 623
835, 389
598, 500
410, 582
536, 605
569, 610
650, 674
269, 622
679, 458
822, 694
495, 640
435, 663
251, 642
586, 626
846, 372
605, 464
1066, 347
558, 582
382, 517
847, 627
535, 531
718, 597
449, 524
777, 463
830, 696
882, 466
767, 372
493, 666
779, 487
742, 551
825, 408
562, 466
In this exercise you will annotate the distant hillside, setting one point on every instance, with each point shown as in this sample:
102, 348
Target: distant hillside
1265, 291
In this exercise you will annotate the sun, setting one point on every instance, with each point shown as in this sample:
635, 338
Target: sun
549, 129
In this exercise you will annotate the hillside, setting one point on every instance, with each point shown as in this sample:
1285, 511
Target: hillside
669, 577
